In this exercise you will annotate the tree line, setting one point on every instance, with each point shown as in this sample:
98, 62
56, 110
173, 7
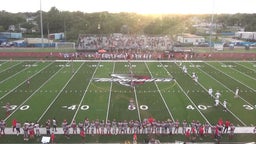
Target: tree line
75, 23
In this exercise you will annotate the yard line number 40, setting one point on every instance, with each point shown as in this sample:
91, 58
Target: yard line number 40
203, 107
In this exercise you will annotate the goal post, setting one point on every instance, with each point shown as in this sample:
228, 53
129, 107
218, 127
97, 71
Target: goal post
65, 45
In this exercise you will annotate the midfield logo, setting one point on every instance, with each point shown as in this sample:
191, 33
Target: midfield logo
131, 80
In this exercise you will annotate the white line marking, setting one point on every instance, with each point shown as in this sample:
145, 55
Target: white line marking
191, 101
232, 77
220, 102
59, 93
14, 89
224, 86
32, 95
14, 75
161, 93
110, 93
85, 92
10, 67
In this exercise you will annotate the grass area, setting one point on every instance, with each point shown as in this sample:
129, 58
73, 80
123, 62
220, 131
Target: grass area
73, 91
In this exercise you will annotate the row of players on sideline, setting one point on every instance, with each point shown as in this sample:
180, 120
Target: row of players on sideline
147, 126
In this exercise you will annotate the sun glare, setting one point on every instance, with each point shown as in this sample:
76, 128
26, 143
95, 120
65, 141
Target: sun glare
136, 6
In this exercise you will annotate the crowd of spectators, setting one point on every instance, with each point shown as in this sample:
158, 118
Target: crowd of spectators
120, 41
122, 47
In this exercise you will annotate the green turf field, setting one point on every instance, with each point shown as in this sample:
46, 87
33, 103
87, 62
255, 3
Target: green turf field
68, 90
74, 90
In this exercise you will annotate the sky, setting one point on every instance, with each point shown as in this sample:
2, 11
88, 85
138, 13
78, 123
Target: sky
137, 6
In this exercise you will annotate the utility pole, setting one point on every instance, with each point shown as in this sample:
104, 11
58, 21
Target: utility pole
41, 23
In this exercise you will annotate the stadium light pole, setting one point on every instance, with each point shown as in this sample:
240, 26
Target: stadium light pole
41, 23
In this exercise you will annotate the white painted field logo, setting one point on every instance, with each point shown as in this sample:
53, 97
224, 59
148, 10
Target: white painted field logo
131, 80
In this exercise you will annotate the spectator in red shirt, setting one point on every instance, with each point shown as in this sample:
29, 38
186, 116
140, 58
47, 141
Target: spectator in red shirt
82, 134
187, 134
52, 137
134, 138
150, 120
14, 121
227, 124
220, 123
201, 132
193, 130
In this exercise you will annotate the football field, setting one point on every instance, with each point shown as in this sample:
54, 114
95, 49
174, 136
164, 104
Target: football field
122, 90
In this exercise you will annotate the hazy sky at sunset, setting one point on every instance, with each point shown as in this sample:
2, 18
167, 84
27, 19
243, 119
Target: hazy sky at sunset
138, 6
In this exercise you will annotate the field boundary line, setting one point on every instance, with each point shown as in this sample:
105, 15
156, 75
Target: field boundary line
58, 94
238, 130
14, 75
32, 94
24, 82
85, 92
110, 92
160, 93
139, 61
10, 67
220, 102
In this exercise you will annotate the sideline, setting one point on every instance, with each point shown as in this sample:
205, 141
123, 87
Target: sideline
238, 130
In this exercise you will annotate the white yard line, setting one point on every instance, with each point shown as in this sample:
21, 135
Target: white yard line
24, 82
85, 92
246, 67
58, 94
110, 93
32, 95
4, 61
231, 77
136, 99
14, 75
190, 99
225, 86
1, 64
10, 67
243, 73
195, 106
221, 103
160, 93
